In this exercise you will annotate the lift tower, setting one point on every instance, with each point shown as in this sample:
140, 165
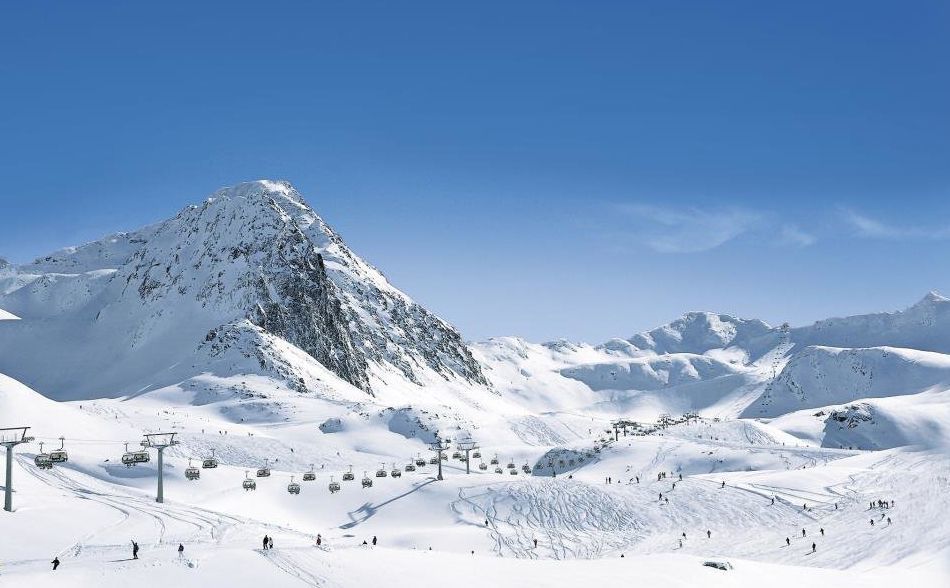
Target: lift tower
10, 438
439, 446
160, 441
467, 445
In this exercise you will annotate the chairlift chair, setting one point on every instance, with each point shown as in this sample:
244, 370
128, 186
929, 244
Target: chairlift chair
513, 472
248, 483
456, 455
128, 458
483, 466
381, 472
477, 454
209, 462
433, 460
348, 476
396, 472
264, 472
141, 456
526, 469
494, 460
334, 486
498, 470
367, 481
445, 457
410, 467
310, 476
59, 455
511, 465
420, 462
42, 460
191, 472
293, 487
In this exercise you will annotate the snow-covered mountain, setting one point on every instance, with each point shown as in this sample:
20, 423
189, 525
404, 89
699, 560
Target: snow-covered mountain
251, 280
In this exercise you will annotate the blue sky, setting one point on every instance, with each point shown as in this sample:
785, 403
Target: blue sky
579, 170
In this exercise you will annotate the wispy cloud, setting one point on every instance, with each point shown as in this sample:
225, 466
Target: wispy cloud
865, 226
694, 229
796, 236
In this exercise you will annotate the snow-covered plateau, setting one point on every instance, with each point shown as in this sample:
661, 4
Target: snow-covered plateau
246, 326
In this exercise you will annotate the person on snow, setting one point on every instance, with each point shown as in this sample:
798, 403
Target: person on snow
374, 540
535, 543
319, 540
265, 541
888, 520
181, 551
822, 530
55, 563
723, 484
788, 541
684, 534
681, 544
813, 547
708, 534
135, 550
270, 543
773, 500
872, 522
681, 477
803, 532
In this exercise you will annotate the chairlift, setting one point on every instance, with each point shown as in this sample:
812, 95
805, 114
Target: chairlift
511, 465
310, 476
433, 460
142, 455
334, 486
477, 454
209, 462
367, 481
264, 472
456, 455
396, 472
128, 458
348, 476
420, 462
483, 466
191, 472
526, 469
293, 487
445, 457
498, 470
248, 483
381, 472
42, 460
513, 472
410, 467
494, 460
59, 455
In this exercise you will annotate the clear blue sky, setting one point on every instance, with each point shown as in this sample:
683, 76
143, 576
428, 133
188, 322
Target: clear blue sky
549, 169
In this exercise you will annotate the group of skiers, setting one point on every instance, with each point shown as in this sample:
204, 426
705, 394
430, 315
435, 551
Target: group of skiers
135, 553
880, 504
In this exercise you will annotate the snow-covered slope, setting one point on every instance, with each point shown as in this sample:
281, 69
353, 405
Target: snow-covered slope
140, 310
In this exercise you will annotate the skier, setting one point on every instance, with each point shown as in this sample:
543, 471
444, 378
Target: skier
181, 551
674, 485
813, 547
788, 541
374, 540
773, 500
265, 541
723, 484
55, 563
270, 543
638, 479
661, 496
535, 543
803, 532
708, 534
681, 544
888, 520
319, 540
681, 477
822, 531
135, 550
684, 534
872, 522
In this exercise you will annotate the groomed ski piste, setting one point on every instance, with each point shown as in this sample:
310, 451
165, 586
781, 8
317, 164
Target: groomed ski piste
467, 529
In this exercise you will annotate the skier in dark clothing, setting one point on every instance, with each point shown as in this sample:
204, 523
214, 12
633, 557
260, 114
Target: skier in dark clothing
319, 540
788, 541
723, 484
270, 543
265, 541
803, 532
708, 534
135, 550
872, 522
822, 531
813, 547
55, 563
374, 539
181, 551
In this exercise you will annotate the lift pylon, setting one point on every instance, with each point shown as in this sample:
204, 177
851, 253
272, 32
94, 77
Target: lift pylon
11, 437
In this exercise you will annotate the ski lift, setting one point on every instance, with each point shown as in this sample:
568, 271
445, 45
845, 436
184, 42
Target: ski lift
511, 465
433, 460
410, 467
483, 466
334, 486
456, 455
264, 472
59, 455
348, 476
396, 473
42, 460
444, 457
477, 454
248, 483
191, 472
128, 458
526, 469
367, 481
494, 460
209, 462
142, 456
381, 472
293, 487
498, 470
513, 472
420, 462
